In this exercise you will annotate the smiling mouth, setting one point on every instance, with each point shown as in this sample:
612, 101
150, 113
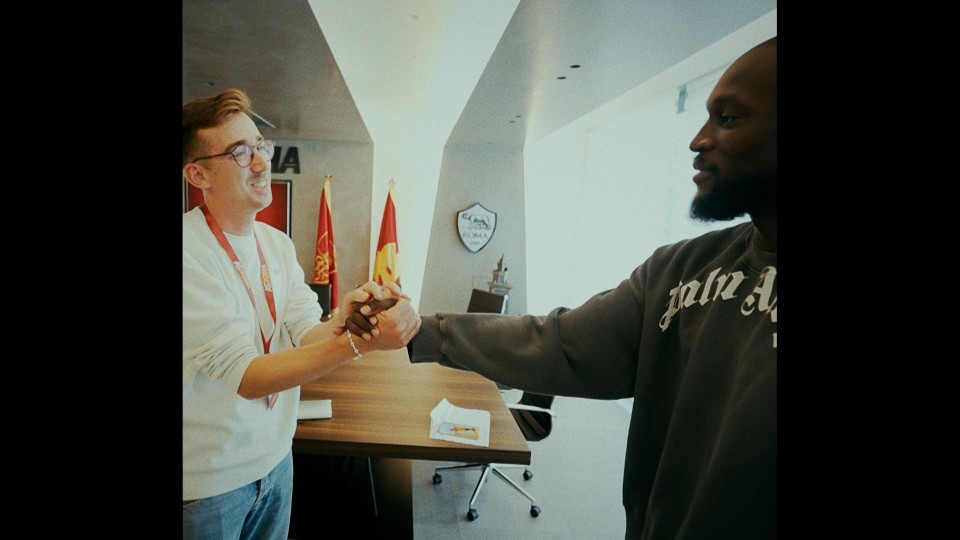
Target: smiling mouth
703, 175
706, 170
259, 184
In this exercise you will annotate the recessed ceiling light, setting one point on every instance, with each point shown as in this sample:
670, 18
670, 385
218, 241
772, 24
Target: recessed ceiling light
519, 116
574, 66
513, 121
561, 78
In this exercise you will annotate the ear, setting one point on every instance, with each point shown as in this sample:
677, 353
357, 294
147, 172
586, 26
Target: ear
195, 175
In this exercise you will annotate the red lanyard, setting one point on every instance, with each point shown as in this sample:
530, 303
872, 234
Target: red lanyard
264, 275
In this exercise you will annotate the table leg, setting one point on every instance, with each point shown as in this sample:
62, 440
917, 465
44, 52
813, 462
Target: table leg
394, 497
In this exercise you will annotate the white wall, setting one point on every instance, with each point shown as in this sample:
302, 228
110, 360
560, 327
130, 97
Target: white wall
606, 190
414, 163
493, 176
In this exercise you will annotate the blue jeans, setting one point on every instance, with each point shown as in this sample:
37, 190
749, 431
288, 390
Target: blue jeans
258, 510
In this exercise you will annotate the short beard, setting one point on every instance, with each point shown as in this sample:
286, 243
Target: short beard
729, 200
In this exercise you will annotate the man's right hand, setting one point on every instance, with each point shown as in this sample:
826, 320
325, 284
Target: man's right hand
362, 320
395, 326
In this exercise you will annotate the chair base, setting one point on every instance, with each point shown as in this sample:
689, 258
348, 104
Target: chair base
486, 469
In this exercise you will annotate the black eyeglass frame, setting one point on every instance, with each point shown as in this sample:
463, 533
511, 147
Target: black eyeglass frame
267, 147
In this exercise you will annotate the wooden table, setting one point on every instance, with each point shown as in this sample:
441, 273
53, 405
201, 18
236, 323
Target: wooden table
381, 409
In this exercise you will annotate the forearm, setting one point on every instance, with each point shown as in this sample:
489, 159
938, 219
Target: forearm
590, 351
318, 355
318, 333
282, 370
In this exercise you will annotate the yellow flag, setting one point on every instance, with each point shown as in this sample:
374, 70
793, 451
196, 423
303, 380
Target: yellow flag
386, 267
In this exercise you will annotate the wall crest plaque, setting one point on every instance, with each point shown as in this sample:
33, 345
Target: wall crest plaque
476, 226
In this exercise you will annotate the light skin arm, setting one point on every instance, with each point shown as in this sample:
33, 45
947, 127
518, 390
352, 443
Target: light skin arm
323, 349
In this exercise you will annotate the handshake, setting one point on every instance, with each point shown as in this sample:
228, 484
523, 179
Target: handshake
381, 315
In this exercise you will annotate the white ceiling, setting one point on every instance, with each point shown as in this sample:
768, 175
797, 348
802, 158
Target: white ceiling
476, 72
412, 65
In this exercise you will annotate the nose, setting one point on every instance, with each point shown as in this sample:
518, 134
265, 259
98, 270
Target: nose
703, 140
258, 162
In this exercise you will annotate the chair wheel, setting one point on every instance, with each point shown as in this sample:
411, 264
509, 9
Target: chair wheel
527, 474
534, 510
437, 478
473, 514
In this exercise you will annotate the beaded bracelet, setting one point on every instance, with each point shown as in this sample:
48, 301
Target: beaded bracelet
354, 345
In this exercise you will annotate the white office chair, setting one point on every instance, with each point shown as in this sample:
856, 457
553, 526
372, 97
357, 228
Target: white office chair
535, 419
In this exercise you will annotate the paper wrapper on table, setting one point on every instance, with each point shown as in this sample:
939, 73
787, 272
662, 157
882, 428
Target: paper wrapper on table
447, 413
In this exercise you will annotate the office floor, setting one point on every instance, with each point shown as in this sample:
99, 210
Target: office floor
577, 477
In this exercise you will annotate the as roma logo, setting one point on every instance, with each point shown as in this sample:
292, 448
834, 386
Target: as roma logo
476, 226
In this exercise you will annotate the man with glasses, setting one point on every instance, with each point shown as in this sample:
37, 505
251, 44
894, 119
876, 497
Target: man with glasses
251, 331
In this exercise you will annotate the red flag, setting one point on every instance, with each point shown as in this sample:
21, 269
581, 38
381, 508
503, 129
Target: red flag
386, 267
325, 269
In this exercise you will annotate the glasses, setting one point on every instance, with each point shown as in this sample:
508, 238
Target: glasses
243, 154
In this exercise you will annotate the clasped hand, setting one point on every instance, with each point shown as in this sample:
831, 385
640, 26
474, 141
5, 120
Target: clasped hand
381, 315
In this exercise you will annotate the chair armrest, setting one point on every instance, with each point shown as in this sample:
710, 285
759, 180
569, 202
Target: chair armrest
531, 408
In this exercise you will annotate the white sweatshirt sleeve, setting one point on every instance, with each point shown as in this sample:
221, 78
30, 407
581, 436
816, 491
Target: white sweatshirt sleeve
216, 336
